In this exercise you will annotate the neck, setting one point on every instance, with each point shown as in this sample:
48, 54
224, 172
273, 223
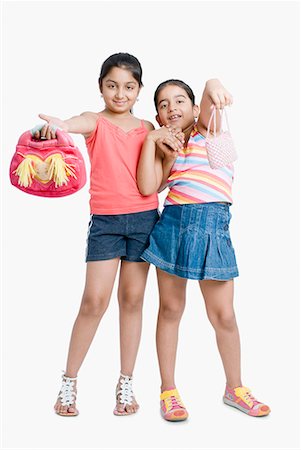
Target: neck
122, 115
187, 131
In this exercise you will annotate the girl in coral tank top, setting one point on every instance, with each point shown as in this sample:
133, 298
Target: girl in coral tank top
120, 225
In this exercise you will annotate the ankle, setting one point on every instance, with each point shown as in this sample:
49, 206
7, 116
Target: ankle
167, 387
234, 385
125, 375
69, 373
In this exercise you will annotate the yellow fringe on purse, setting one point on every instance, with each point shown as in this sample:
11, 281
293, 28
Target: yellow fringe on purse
25, 171
59, 170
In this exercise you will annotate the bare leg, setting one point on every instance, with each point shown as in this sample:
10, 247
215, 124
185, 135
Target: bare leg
218, 296
100, 278
172, 290
132, 281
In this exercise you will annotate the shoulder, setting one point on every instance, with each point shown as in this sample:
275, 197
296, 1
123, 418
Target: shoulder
201, 129
148, 125
90, 119
90, 116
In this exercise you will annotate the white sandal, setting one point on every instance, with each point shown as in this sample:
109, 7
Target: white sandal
124, 394
67, 396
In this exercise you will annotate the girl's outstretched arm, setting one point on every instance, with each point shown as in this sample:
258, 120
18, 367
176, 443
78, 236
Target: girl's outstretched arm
82, 124
214, 95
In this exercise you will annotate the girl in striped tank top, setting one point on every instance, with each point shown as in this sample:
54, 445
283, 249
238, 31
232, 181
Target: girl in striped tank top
192, 240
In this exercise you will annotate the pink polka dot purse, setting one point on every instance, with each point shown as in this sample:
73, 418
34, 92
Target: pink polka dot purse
220, 148
47, 168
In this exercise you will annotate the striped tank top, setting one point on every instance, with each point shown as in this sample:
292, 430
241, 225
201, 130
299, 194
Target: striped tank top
192, 180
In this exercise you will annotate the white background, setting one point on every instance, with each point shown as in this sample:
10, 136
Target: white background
52, 53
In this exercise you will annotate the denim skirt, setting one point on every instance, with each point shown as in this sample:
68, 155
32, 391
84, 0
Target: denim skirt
193, 241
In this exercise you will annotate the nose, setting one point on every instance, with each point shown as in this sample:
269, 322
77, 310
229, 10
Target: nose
119, 93
172, 107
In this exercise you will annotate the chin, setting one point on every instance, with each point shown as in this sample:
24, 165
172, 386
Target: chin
175, 123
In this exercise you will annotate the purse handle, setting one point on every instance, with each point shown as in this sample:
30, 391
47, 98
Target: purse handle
63, 139
213, 116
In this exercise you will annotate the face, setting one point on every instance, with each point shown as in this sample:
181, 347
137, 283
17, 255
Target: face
120, 90
175, 107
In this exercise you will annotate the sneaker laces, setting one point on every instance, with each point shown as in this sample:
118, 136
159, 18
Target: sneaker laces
245, 394
174, 402
67, 393
125, 392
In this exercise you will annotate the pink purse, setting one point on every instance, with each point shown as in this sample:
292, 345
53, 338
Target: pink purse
47, 168
220, 149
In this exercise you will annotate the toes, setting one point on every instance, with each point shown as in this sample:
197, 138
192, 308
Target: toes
71, 409
120, 409
135, 407
130, 409
64, 409
58, 407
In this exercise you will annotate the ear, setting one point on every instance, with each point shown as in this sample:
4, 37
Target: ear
158, 120
196, 111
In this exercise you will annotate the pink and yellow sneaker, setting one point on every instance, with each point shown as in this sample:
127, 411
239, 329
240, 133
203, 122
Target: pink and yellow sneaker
172, 407
242, 399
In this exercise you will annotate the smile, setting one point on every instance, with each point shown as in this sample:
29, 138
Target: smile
174, 117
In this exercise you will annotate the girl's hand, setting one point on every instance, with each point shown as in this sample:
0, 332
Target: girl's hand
218, 95
49, 130
169, 140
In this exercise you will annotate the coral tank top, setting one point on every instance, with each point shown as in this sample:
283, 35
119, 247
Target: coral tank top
114, 156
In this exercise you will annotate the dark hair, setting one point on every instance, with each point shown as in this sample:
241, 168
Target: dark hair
123, 61
179, 83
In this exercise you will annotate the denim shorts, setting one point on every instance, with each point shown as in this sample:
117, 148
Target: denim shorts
119, 235
193, 241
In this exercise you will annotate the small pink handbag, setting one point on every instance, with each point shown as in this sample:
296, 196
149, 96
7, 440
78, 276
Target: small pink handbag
47, 168
220, 148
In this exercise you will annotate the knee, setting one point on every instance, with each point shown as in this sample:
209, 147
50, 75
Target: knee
171, 311
223, 321
94, 306
130, 301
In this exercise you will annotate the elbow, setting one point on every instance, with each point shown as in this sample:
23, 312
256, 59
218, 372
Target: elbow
146, 191
144, 187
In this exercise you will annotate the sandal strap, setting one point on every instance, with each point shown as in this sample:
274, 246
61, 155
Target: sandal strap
67, 395
125, 392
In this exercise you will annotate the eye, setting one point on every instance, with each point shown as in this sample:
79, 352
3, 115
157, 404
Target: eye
180, 101
163, 106
110, 86
130, 88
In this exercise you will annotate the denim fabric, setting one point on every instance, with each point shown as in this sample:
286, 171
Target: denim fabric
119, 235
193, 241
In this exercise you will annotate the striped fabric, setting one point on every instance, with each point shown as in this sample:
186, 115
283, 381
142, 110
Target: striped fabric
192, 180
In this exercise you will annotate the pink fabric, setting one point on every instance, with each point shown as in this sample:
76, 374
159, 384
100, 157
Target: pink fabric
220, 148
114, 156
37, 151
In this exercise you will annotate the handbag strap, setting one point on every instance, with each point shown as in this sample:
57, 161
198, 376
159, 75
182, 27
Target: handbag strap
213, 116
63, 139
